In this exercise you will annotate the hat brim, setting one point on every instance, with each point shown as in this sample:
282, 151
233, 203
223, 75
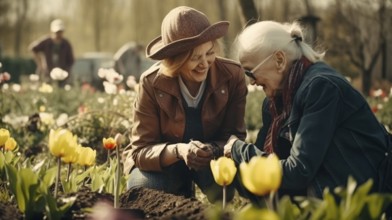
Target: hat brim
57, 29
157, 50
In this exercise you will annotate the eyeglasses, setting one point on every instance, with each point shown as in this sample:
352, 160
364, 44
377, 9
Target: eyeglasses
250, 73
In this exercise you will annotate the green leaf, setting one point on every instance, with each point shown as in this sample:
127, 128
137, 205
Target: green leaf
2, 161
375, 205
49, 177
53, 211
287, 210
97, 183
29, 186
357, 201
331, 207
321, 210
15, 187
9, 156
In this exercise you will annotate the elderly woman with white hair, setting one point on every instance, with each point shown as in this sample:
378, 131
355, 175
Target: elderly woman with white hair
186, 108
321, 128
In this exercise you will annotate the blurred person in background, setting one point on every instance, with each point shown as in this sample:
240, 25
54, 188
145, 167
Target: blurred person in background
186, 108
321, 128
127, 60
53, 51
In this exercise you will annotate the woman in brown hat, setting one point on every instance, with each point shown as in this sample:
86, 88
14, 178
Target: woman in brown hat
187, 106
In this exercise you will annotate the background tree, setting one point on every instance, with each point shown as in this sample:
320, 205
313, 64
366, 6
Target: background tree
249, 12
21, 9
354, 34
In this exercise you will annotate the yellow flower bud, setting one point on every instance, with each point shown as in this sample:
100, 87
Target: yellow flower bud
91, 156
223, 170
4, 135
109, 143
261, 175
10, 144
87, 156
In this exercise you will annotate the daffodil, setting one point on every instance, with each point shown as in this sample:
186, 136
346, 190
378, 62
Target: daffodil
10, 144
109, 143
261, 175
61, 141
223, 170
4, 135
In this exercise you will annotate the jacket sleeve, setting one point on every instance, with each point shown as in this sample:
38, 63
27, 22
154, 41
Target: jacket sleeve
38, 45
144, 150
70, 56
320, 104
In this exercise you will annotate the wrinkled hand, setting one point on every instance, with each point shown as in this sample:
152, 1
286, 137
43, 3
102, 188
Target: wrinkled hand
196, 154
229, 145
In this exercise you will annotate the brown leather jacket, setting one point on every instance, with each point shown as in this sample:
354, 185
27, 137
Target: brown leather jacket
159, 117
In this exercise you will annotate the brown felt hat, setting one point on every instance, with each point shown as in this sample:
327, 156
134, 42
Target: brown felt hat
183, 29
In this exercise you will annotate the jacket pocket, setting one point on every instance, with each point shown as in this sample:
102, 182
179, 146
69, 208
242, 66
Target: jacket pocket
289, 129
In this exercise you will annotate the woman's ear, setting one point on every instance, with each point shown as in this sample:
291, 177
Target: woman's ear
280, 60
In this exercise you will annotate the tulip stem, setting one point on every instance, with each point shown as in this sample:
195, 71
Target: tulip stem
117, 178
108, 158
271, 201
84, 180
224, 198
56, 184
68, 171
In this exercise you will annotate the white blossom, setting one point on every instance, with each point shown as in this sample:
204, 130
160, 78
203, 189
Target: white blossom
110, 88
58, 74
34, 77
131, 82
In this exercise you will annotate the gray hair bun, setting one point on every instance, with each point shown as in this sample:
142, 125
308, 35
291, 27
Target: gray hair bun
296, 34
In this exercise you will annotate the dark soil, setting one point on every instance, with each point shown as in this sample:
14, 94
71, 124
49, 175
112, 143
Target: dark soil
9, 211
135, 204
139, 203
158, 205
85, 199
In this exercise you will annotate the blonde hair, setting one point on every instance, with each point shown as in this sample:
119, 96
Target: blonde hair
170, 66
266, 37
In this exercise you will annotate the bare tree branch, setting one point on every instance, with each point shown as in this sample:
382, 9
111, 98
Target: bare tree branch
249, 11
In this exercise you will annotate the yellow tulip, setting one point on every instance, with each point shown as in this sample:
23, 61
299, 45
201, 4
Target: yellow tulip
61, 142
251, 212
10, 144
72, 155
109, 143
4, 135
87, 156
262, 175
91, 156
223, 170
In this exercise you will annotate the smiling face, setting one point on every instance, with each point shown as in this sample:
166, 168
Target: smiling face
267, 72
200, 61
